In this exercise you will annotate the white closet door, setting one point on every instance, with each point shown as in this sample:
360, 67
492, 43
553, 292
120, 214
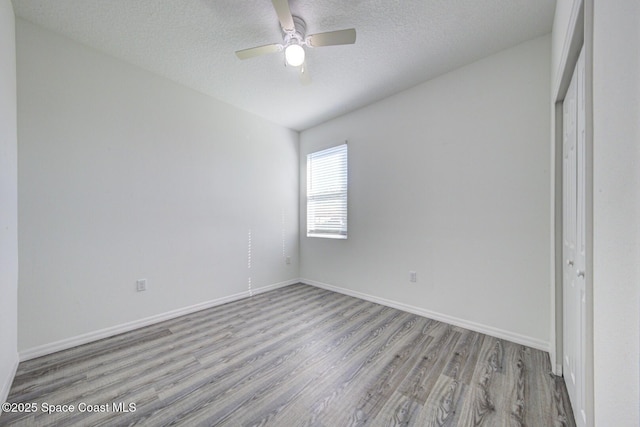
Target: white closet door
574, 233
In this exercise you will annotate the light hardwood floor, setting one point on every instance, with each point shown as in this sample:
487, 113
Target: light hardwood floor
296, 356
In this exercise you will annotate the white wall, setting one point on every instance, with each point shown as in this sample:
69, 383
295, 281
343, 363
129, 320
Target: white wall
8, 201
616, 210
126, 175
450, 179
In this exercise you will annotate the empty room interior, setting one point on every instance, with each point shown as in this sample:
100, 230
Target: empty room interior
428, 217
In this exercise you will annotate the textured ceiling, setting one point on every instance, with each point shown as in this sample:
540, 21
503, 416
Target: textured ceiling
400, 43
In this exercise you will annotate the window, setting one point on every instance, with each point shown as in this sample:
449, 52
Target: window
327, 193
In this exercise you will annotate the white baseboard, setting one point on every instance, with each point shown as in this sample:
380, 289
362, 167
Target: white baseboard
67, 343
6, 384
477, 327
556, 368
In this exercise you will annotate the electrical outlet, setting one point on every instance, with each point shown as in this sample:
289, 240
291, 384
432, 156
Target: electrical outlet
413, 276
287, 260
141, 285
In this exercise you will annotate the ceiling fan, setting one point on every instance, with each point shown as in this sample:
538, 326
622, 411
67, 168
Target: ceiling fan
295, 40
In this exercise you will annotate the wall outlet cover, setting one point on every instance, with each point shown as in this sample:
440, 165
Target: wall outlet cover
141, 285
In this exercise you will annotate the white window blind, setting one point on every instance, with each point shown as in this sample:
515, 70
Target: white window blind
327, 193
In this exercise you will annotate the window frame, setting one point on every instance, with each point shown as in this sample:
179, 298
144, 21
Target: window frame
330, 193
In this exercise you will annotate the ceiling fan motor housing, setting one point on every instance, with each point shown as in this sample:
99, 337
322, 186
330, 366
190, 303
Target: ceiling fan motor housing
298, 35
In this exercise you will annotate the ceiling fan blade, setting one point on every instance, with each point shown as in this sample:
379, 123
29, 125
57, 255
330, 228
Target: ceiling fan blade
257, 51
284, 14
305, 78
332, 38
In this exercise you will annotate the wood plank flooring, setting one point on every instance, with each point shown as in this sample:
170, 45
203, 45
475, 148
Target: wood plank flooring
296, 356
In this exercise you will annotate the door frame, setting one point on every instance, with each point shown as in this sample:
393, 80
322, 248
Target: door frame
580, 34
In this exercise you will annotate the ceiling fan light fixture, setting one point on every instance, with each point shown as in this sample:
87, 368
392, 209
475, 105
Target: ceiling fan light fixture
294, 55
295, 39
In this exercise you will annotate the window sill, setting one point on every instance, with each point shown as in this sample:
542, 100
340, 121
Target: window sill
328, 236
